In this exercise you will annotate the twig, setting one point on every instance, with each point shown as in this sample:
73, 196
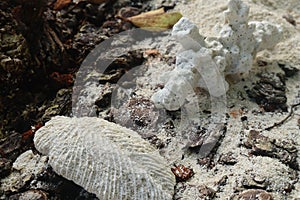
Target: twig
285, 119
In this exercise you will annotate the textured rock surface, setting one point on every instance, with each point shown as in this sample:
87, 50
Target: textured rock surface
106, 159
30, 194
26, 167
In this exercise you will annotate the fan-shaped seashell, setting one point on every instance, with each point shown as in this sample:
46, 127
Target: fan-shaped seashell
106, 159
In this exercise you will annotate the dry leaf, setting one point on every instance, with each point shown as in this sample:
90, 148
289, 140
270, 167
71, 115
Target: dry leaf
157, 19
60, 4
91, 1
150, 13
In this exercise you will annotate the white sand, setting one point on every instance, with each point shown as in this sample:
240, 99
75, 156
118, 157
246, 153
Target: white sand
206, 14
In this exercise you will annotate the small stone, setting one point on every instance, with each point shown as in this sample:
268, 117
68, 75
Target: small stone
30, 194
192, 192
288, 69
253, 194
25, 169
206, 192
138, 113
104, 99
228, 159
259, 179
285, 151
259, 143
11, 146
290, 19
182, 173
269, 92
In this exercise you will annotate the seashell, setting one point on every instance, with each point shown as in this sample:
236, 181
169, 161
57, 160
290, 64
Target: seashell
106, 159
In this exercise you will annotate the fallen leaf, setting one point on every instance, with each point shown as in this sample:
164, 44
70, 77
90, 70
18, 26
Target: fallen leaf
150, 13
60, 4
91, 1
155, 20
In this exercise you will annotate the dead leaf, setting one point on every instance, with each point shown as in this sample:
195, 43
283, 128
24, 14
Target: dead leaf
91, 1
60, 4
150, 13
156, 19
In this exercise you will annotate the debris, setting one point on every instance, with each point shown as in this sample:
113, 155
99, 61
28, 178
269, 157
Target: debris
285, 119
26, 168
192, 192
60, 4
104, 100
137, 113
288, 69
269, 92
11, 146
289, 18
155, 20
30, 194
127, 12
61, 105
227, 159
253, 194
65, 80
182, 173
284, 151
91, 1
206, 192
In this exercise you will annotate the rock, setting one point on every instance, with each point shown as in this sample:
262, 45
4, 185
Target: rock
261, 145
269, 92
253, 194
192, 192
25, 169
288, 69
267, 174
138, 114
61, 105
228, 159
30, 194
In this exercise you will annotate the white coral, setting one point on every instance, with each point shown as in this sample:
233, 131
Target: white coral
106, 159
204, 62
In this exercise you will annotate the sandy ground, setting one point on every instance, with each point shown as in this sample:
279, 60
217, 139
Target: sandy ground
206, 14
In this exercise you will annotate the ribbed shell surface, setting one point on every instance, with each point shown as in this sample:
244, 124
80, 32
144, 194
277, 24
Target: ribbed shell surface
106, 159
